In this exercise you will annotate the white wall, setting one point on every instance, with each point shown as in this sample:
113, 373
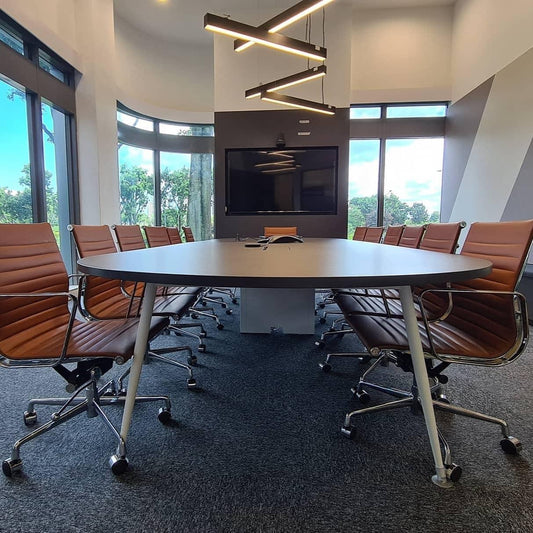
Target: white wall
401, 55
163, 79
236, 72
51, 21
487, 36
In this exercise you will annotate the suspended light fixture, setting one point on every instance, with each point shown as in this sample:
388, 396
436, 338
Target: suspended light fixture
288, 17
300, 103
239, 30
288, 81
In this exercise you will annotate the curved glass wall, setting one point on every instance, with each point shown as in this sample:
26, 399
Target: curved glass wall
165, 173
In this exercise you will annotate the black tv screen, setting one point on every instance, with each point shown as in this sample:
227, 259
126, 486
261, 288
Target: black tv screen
285, 181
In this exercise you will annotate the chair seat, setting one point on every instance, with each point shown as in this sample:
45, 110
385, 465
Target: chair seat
390, 334
109, 338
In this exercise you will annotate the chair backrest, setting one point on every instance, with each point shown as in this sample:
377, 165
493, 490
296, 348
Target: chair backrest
506, 244
492, 318
442, 237
393, 235
156, 236
359, 233
129, 237
30, 262
187, 232
373, 234
174, 235
269, 231
411, 236
102, 297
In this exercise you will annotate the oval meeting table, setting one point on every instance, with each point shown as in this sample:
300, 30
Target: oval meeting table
315, 263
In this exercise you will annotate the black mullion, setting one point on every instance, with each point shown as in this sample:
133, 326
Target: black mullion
35, 138
381, 182
157, 187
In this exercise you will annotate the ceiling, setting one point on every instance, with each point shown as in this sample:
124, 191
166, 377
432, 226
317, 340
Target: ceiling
182, 20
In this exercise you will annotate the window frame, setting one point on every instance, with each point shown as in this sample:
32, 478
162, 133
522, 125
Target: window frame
384, 128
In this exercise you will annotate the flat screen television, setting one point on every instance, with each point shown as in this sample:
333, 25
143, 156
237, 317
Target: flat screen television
281, 181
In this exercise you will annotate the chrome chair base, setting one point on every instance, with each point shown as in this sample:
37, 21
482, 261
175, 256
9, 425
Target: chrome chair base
94, 398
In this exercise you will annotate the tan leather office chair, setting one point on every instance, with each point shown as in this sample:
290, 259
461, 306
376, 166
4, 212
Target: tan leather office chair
436, 237
174, 235
359, 233
411, 236
270, 231
129, 237
188, 234
37, 329
373, 234
393, 235
156, 236
486, 325
104, 299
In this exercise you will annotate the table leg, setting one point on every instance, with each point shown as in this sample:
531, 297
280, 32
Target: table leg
422, 382
141, 342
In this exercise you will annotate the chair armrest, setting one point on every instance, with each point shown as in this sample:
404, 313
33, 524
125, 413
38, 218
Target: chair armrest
519, 318
72, 317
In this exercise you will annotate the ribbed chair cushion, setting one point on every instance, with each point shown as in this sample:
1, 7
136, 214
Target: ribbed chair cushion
187, 232
156, 236
359, 233
174, 236
393, 235
373, 234
411, 236
129, 238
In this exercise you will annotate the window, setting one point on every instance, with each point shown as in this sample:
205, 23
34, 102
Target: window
166, 173
37, 178
395, 167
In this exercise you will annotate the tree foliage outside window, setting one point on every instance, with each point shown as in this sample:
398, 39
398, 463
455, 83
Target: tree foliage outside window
362, 211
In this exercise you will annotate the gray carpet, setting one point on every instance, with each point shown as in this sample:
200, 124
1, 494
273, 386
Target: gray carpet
258, 449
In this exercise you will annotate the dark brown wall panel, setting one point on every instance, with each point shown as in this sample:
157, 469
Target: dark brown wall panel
260, 129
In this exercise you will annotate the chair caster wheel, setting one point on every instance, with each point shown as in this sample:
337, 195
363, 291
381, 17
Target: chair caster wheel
365, 359
201, 348
326, 367
348, 432
234, 300
192, 360
118, 464
453, 472
322, 320
442, 398
320, 344
164, 416
194, 315
30, 418
362, 396
220, 326
511, 445
321, 305
191, 383
204, 303
223, 306
229, 311
10, 466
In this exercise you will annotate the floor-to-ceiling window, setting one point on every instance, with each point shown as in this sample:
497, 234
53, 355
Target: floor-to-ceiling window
165, 173
37, 160
396, 154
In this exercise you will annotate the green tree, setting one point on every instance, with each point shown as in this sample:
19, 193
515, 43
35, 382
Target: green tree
395, 211
175, 188
136, 189
418, 214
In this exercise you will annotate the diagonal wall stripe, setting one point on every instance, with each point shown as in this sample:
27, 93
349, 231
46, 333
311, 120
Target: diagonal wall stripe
462, 123
503, 139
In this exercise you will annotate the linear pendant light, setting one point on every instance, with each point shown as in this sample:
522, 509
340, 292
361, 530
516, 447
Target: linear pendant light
239, 30
284, 19
300, 103
288, 81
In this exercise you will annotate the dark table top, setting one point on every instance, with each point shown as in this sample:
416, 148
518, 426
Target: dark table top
315, 263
